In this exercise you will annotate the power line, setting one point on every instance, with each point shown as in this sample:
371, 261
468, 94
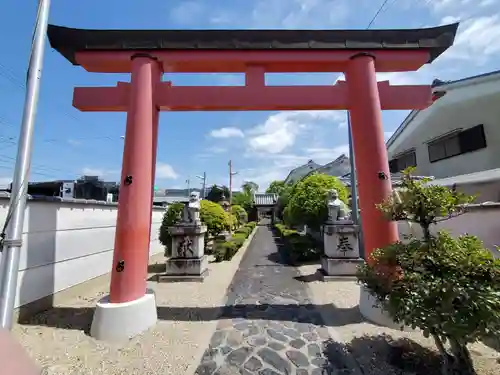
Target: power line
377, 13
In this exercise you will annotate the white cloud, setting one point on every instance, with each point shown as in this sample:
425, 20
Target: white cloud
166, 171
226, 133
280, 130
477, 41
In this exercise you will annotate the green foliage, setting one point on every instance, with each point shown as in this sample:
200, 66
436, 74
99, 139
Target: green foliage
216, 193
300, 248
171, 217
447, 287
244, 200
226, 250
276, 187
283, 200
240, 214
214, 217
307, 202
249, 187
423, 203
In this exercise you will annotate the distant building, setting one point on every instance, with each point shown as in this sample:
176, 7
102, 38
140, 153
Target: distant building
338, 168
264, 205
458, 135
299, 172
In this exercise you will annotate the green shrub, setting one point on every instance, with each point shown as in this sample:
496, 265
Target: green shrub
251, 224
214, 217
170, 218
300, 248
447, 287
240, 214
225, 251
239, 239
244, 230
211, 214
307, 201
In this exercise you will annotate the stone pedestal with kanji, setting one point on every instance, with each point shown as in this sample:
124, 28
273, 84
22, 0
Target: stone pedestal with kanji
188, 261
341, 247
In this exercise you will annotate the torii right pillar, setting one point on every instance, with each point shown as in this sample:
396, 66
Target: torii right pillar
372, 167
372, 164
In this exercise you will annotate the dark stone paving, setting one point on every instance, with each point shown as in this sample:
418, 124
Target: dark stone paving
274, 329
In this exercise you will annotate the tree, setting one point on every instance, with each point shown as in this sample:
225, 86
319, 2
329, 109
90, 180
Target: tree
170, 218
276, 187
307, 202
240, 213
284, 198
211, 214
447, 287
216, 192
214, 217
244, 200
250, 188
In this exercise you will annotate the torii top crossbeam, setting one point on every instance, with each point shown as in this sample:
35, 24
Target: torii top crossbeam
219, 51
253, 52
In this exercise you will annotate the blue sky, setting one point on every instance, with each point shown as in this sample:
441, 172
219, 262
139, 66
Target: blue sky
264, 146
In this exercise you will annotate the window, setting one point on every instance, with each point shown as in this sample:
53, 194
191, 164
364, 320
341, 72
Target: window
403, 161
459, 143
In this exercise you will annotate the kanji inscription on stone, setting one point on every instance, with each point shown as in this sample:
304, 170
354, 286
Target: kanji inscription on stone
343, 244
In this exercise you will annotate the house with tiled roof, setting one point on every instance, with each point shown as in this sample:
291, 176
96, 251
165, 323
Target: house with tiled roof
298, 173
265, 205
457, 135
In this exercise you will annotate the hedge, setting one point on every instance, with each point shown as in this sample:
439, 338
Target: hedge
226, 250
299, 248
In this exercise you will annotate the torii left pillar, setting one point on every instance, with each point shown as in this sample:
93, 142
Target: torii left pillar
130, 308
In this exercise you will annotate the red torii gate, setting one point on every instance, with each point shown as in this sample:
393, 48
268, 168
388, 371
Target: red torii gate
359, 54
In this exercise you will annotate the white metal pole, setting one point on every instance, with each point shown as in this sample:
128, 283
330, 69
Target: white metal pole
354, 187
13, 240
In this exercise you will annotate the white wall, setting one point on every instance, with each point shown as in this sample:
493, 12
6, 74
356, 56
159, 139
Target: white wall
463, 107
67, 243
482, 221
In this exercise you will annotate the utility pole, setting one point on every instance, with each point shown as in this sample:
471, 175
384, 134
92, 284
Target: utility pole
354, 186
204, 184
188, 182
12, 243
231, 174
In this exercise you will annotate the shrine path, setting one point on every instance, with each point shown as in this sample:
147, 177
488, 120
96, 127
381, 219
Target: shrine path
269, 325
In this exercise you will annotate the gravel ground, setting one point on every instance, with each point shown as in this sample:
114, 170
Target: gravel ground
58, 341
409, 352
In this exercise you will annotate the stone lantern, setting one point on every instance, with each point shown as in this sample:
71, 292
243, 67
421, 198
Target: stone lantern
225, 235
225, 203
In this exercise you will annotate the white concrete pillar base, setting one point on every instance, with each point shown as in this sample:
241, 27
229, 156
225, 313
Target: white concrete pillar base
122, 321
375, 314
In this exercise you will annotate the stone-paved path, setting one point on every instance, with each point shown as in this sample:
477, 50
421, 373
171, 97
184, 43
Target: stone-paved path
269, 325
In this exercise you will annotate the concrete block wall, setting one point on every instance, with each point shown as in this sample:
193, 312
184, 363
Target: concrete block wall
481, 220
66, 243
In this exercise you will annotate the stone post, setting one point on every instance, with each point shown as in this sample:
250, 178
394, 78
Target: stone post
341, 247
188, 261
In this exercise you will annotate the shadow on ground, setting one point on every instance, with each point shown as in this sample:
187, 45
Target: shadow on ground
156, 268
81, 318
383, 354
